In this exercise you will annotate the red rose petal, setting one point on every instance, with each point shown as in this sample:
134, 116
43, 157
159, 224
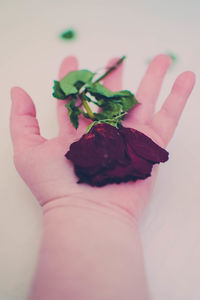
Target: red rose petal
143, 146
107, 155
101, 147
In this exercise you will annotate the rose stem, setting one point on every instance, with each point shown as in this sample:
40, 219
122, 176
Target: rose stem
87, 108
110, 69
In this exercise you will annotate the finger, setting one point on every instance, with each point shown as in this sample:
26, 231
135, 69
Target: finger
166, 119
69, 64
149, 89
114, 80
24, 127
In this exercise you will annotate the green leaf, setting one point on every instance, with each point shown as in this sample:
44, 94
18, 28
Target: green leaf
78, 84
58, 93
74, 80
73, 112
127, 100
112, 107
99, 91
69, 89
68, 34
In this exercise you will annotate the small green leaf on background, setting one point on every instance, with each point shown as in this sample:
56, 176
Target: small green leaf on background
173, 56
68, 34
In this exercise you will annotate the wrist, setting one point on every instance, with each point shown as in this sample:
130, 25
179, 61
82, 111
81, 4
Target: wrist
88, 206
88, 251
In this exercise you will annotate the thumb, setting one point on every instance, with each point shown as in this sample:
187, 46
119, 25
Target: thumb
24, 127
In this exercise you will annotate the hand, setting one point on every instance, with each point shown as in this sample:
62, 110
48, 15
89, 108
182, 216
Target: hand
50, 176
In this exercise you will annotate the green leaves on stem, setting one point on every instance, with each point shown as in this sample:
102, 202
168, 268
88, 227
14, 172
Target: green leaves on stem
78, 87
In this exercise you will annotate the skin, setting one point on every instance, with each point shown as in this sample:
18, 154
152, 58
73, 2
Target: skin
78, 216
33, 153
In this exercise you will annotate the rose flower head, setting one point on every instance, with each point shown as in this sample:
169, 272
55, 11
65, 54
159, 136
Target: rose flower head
107, 154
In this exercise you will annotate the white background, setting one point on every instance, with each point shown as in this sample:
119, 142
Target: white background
31, 52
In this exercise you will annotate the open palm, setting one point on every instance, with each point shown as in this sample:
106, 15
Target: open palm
50, 176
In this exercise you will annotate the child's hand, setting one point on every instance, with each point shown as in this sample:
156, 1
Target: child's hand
48, 173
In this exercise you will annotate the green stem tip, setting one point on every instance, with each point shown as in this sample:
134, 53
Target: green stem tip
110, 69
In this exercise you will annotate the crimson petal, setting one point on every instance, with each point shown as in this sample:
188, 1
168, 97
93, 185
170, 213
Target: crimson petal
143, 146
99, 148
109, 155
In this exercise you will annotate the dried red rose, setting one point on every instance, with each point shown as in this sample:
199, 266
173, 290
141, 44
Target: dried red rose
107, 155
